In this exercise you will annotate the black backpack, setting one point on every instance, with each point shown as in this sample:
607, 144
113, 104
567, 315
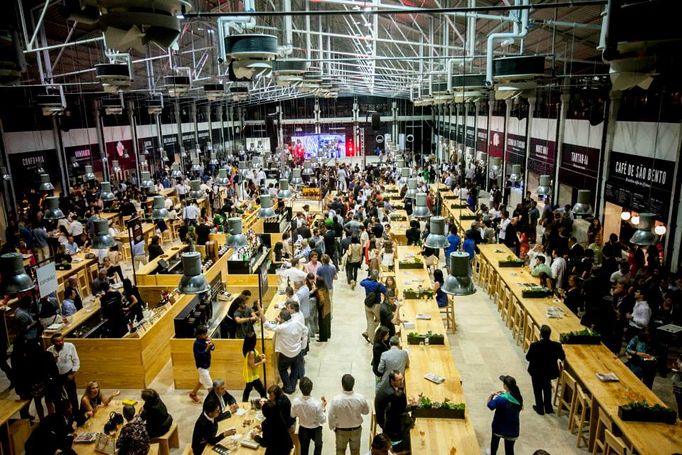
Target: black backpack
372, 298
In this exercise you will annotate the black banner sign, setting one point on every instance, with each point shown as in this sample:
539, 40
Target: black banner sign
579, 166
641, 184
541, 156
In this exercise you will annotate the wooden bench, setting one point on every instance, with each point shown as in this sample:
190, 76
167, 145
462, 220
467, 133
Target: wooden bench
168, 440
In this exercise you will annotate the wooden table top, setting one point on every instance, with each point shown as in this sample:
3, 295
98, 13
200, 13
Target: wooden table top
453, 435
244, 425
8, 408
75, 320
124, 237
109, 215
79, 262
96, 425
647, 438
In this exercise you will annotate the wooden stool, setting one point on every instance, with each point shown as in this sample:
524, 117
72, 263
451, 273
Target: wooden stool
493, 284
528, 329
60, 292
476, 269
92, 271
168, 440
581, 416
167, 236
82, 277
372, 426
499, 297
506, 305
604, 424
565, 385
448, 314
125, 251
614, 444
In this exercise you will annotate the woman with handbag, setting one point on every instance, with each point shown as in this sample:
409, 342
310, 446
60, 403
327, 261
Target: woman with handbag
353, 261
93, 400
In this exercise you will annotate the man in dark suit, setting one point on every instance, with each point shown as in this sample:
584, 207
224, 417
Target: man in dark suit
226, 401
206, 428
543, 357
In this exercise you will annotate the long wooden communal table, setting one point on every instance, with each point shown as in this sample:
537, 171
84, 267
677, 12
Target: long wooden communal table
9, 408
245, 424
432, 436
79, 269
399, 228
643, 438
515, 278
463, 217
585, 361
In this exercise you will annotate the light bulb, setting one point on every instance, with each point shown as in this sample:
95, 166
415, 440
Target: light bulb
635, 220
660, 230
625, 216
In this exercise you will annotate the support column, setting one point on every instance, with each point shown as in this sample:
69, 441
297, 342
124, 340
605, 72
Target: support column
394, 125
529, 125
193, 110
133, 134
99, 129
491, 105
178, 121
159, 139
11, 192
356, 139
614, 107
280, 128
222, 130
507, 114
60, 155
565, 98
317, 116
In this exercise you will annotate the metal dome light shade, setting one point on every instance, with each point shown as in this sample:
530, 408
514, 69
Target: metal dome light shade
195, 191
515, 175
52, 210
421, 210
411, 189
458, 282
146, 182
115, 167
544, 189
296, 177
213, 161
583, 208
481, 157
105, 192
176, 173
45, 184
15, 279
193, 280
236, 239
222, 179
644, 235
159, 211
284, 191
496, 164
308, 168
89, 175
404, 174
400, 164
436, 238
266, 210
196, 166
102, 240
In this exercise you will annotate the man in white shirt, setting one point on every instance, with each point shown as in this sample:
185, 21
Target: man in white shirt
504, 222
190, 213
558, 269
291, 339
293, 274
345, 416
68, 363
310, 414
76, 230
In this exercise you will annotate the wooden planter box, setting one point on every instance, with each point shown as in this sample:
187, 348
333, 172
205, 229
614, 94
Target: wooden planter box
417, 294
536, 293
398, 218
450, 196
435, 339
438, 413
581, 339
510, 264
467, 218
410, 265
459, 206
645, 415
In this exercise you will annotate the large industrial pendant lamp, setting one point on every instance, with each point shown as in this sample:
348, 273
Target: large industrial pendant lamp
52, 210
544, 189
583, 208
236, 239
115, 167
266, 210
195, 191
404, 174
411, 189
176, 173
515, 175
644, 235
458, 282
222, 179
193, 280
89, 175
14, 276
421, 210
146, 182
308, 168
196, 166
45, 184
159, 211
296, 177
105, 192
284, 191
102, 240
436, 238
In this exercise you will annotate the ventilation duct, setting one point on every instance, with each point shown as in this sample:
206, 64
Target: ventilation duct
215, 92
177, 85
114, 76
